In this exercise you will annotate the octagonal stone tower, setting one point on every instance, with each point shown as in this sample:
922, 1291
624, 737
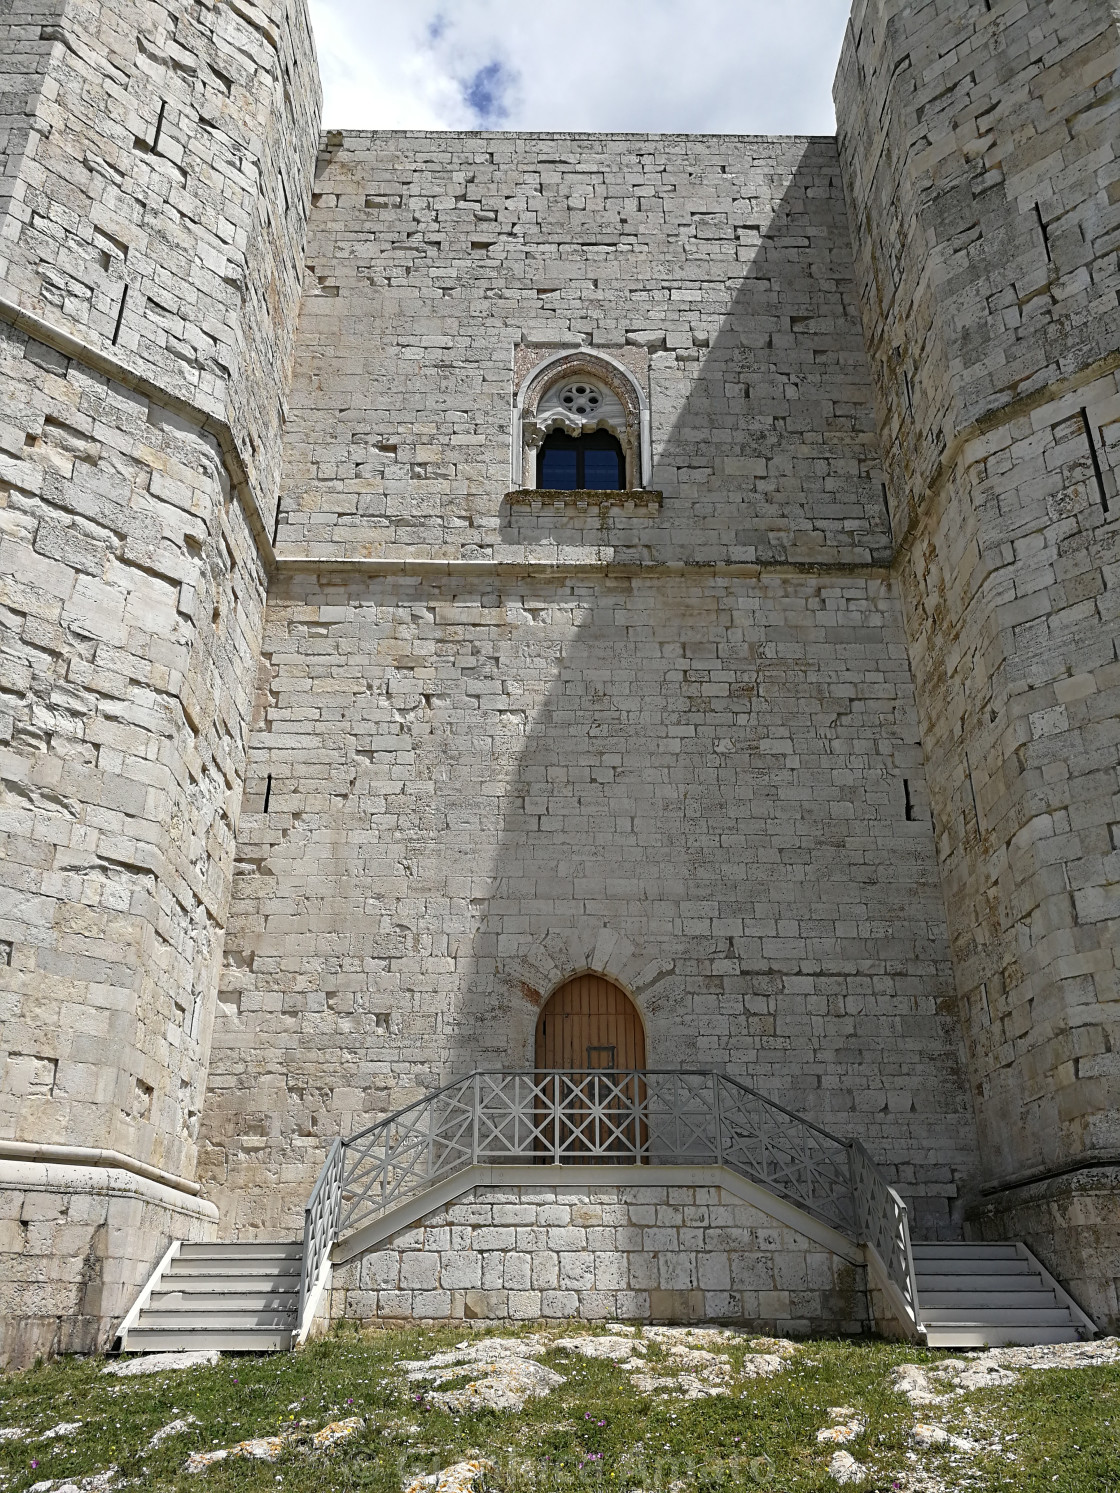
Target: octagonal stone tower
979, 149
155, 181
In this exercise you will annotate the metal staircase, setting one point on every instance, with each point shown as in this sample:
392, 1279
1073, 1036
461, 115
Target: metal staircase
986, 1295
234, 1297
259, 1297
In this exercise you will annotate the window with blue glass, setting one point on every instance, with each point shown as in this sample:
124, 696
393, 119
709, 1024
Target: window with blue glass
593, 462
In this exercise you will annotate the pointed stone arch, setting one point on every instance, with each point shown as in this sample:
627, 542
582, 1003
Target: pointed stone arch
590, 1024
625, 414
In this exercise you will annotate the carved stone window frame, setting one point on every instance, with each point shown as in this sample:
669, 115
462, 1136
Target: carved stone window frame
597, 367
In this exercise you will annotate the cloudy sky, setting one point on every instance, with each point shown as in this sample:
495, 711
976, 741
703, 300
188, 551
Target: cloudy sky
755, 66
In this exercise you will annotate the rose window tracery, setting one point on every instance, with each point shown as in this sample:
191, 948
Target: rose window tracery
582, 399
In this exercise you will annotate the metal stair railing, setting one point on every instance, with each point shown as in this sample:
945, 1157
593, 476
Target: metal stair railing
637, 1117
320, 1230
884, 1226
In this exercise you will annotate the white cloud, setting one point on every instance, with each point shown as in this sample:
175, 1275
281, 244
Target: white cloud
749, 66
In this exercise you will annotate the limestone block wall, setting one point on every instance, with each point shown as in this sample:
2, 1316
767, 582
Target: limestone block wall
604, 1253
161, 197
157, 178
717, 269
132, 600
980, 159
479, 785
25, 52
1074, 1218
78, 1244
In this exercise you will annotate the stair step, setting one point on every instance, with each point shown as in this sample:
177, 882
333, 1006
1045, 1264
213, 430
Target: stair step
966, 1301
220, 1318
986, 1280
286, 1250
950, 1250
178, 1339
998, 1337
973, 1267
244, 1269
257, 1285
994, 1316
219, 1301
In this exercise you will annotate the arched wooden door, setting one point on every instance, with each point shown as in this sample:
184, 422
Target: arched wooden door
589, 1024
589, 1041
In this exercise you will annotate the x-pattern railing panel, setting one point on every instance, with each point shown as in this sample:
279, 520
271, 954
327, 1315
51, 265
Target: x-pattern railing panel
599, 1117
515, 1119
682, 1118
621, 1117
786, 1152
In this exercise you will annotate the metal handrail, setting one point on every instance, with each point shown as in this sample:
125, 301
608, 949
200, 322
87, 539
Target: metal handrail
652, 1116
884, 1226
633, 1116
320, 1229
447, 1088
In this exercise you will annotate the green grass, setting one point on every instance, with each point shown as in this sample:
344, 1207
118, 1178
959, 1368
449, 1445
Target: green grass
593, 1433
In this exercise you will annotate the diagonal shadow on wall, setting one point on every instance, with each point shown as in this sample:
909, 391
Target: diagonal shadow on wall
703, 794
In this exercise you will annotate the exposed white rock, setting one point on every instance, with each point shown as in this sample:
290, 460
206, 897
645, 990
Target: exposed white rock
1056, 1355
845, 1469
162, 1363
931, 1384
841, 1434
686, 1386
621, 1350
507, 1374
268, 1448
700, 1361
693, 1337
912, 1380
762, 1365
173, 1428
99, 1482
928, 1435
780, 1345
480, 1350
460, 1477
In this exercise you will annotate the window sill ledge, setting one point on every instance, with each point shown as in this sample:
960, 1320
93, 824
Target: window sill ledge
547, 497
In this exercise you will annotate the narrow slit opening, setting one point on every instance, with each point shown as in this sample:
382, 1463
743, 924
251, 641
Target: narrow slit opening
1097, 472
120, 315
1044, 231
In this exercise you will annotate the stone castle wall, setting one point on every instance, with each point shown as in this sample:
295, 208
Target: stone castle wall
621, 739
981, 161
159, 203
480, 785
490, 739
150, 287
442, 267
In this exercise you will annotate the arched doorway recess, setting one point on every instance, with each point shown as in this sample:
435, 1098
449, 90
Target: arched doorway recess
589, 1042
590, 1025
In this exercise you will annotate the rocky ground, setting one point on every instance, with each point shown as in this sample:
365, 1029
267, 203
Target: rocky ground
611, 1410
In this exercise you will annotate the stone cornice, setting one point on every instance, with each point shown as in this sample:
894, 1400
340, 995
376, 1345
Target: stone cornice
558, 569
19, 1150
111, 367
